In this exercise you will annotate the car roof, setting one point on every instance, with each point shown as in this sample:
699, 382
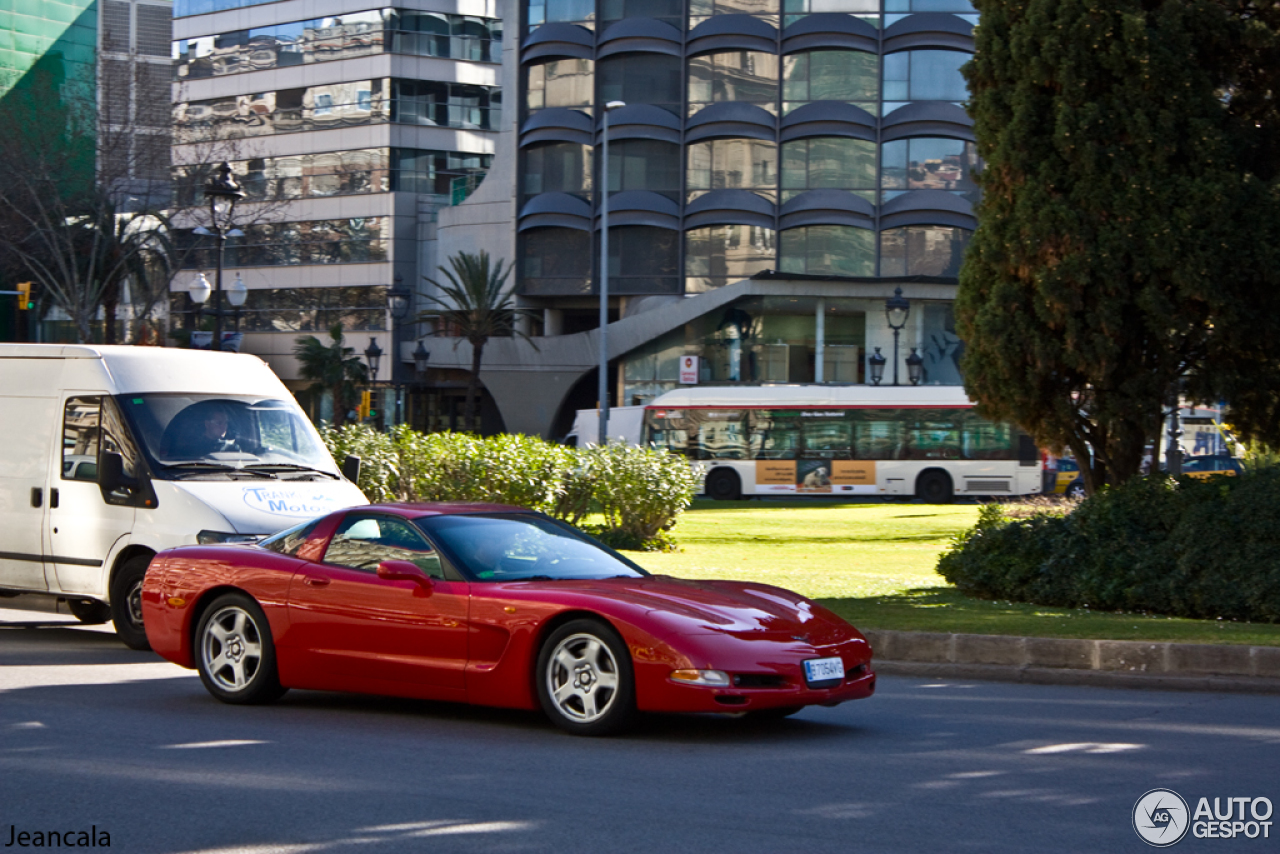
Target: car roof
444, 508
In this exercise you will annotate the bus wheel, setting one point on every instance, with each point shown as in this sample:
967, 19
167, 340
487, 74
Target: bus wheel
934, 487
724, 485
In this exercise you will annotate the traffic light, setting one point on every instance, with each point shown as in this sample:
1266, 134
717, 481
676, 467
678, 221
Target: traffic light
366, 403
24, 296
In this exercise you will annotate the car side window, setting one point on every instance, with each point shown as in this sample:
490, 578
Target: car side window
363, 541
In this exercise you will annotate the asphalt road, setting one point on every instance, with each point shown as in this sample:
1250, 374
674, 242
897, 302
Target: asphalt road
94, 736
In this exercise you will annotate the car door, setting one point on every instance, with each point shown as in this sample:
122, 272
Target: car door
83, 525
351, 629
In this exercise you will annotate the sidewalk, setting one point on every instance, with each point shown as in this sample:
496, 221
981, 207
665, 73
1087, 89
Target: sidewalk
1061, 661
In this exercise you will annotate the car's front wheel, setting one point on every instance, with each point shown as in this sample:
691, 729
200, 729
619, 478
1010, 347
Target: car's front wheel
235, 653
585, 680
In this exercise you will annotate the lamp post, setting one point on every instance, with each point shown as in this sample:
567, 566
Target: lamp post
896, 311
420, 358
915, 366
399, 301
373, 357
223, 192
876, 365
200, 290
602, 390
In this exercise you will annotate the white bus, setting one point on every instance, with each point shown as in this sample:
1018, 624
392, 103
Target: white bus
843, 440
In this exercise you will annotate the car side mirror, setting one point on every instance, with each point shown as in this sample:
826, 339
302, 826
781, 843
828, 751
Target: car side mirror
351, 468
403, 570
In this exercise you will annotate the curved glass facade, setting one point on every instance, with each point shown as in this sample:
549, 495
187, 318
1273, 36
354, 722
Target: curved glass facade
740, 76
556, 167
829, 163
641, 78
922, 250
720, 254
733, 164
645, 164
555, 261
561, 83
927, 163
851, 76
827, 250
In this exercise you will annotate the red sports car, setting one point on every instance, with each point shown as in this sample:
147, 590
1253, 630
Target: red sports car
492, 605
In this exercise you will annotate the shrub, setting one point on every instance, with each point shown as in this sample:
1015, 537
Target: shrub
1184, 547
640, 491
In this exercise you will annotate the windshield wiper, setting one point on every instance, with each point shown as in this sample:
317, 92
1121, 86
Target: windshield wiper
283, 467
198, 467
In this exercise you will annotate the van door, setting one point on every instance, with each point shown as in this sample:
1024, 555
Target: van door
28, 426
83, 526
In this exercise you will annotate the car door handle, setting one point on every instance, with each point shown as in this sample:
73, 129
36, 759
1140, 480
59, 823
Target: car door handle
314, 581
37, 496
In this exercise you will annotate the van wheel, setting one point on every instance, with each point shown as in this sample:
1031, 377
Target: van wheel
126, 602
724, 485
90, 611
934, 487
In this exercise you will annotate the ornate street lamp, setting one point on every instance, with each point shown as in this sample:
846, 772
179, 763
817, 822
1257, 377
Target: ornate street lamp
896, 309
915, 366
876, 365
420, 358
602, 389
373, 355
223, 192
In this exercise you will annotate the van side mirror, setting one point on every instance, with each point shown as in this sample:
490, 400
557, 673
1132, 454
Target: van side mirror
111, 473
351, 468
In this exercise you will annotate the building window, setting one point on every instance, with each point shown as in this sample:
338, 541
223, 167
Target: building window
829, 163
416, 170
750, 76
929, 164
737, 164
670, 11
956, 6
557, 167
723, 254
641, 78
851, 76
701, 10
358, 240
644, 260
560, 83
828, 250
922, 250
645, 164
454, 105
304, 309
868, 10
555, 262
924, 75
569, 11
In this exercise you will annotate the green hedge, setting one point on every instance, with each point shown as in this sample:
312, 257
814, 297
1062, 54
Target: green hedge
1184, 547
640, 491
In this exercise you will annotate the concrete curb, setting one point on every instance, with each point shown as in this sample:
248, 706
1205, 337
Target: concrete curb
1129, 664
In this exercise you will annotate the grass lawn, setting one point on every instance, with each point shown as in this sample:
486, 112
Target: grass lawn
874, 565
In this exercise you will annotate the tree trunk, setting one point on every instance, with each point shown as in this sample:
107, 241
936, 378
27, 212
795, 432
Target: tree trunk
473, 385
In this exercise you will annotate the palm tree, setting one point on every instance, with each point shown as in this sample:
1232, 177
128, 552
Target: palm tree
473, 306
333, 368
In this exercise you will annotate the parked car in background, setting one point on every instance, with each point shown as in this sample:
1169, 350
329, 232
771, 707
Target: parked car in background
1070, 481
1208, 465
495, 606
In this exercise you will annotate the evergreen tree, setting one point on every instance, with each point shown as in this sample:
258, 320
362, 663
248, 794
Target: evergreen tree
1120, 225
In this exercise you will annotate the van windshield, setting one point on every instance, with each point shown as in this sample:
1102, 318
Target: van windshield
207, 436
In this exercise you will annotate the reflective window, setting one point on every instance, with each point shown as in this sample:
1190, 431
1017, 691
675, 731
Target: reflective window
644, 260
455, 105
738, 164
305, 309
829, 250
957, 6
831, 75
570, 11
448, 36
281, 45
641, 78
924, 75
558, 167
922, 250
700, 10
870, 9
80, 435
829, 163
337, 173
721, 254
645, 164
332, 241
741, 75
555, 261
671, 11
929, 164
560, 83
419, 170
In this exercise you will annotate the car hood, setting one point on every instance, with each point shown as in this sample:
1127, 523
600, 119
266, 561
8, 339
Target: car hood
738, 608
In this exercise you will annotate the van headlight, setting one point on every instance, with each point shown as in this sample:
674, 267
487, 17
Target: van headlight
213, 538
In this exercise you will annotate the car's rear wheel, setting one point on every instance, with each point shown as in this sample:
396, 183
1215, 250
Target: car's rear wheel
91, 612
126, 602
235, 654
1076, 489
585, 679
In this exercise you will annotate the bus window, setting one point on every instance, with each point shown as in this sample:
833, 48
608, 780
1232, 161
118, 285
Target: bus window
667, 430
827, 439
720, 436
930, 436
774, 435
983, 440
877, 435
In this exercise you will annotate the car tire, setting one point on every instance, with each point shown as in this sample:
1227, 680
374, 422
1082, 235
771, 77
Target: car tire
934, 487
91, 612
1075, 489
724, 485
126, 602
235, 653
585, 680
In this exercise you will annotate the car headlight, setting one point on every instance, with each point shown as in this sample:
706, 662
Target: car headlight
701, 677
213, 538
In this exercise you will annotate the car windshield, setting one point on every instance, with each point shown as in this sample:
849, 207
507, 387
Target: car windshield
515, 547
209, 436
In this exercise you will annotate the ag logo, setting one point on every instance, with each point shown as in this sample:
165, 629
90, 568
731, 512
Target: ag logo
1161, 817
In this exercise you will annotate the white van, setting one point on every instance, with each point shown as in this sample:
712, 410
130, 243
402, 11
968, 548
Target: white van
624, 426
110, 454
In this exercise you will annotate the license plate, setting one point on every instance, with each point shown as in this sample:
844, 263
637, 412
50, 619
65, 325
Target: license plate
823, 669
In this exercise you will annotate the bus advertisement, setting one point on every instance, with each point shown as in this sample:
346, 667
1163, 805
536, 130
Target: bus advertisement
925, 441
